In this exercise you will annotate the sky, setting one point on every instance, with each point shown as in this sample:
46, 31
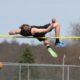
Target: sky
13, 13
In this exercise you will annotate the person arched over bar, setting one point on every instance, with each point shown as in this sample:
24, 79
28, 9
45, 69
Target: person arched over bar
40, 31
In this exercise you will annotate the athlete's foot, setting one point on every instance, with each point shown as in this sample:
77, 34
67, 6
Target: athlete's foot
53, 54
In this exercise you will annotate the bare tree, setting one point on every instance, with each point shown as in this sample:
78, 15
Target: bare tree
76, 29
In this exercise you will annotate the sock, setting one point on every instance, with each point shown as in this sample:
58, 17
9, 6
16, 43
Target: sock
57, 41
48, 46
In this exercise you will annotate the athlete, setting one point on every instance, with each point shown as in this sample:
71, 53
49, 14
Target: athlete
40, 31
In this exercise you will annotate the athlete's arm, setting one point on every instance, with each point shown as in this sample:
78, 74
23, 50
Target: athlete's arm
13, 32
36, 30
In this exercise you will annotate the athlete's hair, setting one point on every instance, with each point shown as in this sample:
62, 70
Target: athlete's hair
25, 27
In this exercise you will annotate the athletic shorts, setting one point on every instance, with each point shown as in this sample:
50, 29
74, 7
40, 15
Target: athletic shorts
40, 36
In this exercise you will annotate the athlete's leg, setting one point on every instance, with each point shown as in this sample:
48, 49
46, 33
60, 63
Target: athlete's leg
57, 34
46, 43
50, 50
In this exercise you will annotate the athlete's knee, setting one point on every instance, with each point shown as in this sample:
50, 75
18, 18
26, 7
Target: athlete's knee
46, 43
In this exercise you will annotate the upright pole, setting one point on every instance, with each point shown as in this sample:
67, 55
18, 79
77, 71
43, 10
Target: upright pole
63, 69
28, 73
20, 72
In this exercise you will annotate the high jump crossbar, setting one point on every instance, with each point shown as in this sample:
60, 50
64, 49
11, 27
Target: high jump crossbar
61, 37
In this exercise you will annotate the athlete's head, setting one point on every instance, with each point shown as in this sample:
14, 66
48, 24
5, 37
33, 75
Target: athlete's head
25, 27
53, 20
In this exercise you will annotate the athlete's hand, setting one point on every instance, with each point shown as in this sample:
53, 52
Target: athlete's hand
11, 33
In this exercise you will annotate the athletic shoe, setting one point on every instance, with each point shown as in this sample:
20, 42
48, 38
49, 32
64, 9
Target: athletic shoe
52, 52
60, 44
